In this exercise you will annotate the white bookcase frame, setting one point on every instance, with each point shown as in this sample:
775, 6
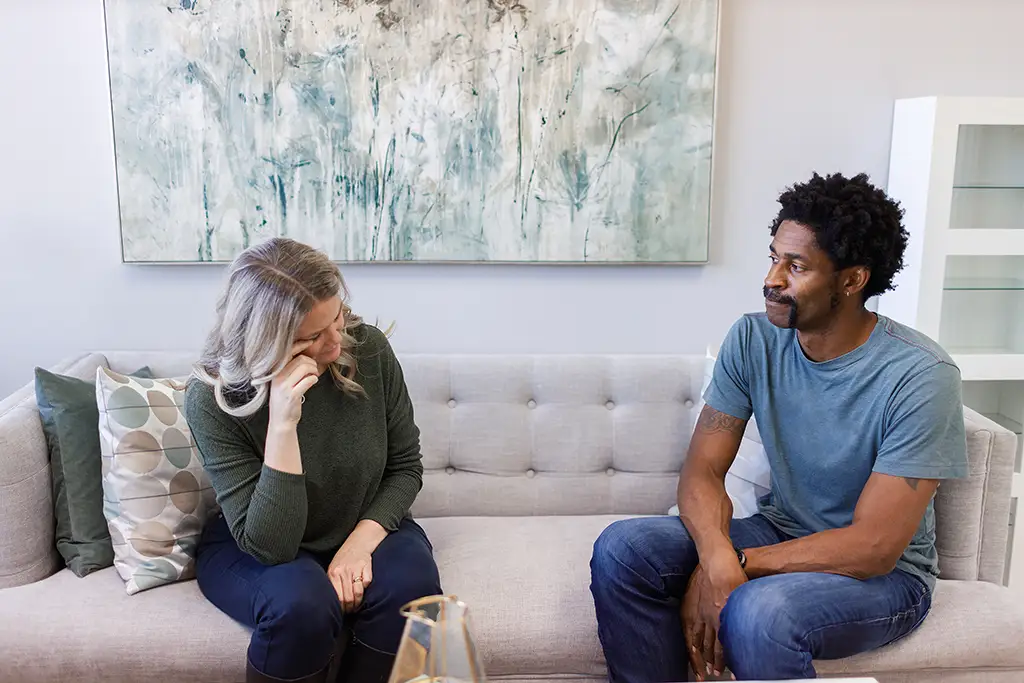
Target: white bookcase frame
930, 155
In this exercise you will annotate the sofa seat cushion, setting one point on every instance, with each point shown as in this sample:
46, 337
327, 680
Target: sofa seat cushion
88, 630
526, 582
972, 625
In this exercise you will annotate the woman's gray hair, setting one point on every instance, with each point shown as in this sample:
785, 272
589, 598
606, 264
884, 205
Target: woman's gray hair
271, 287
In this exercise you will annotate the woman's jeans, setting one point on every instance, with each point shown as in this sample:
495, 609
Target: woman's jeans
294, 610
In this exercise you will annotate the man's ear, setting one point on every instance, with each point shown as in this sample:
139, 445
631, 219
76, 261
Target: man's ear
855, 279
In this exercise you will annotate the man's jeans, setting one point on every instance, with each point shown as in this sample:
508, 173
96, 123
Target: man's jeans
771, 628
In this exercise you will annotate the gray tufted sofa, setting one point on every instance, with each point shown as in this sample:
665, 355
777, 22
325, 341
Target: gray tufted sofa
527, 459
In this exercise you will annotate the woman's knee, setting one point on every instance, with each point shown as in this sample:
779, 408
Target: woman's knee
379, 622
296, 604
402, 585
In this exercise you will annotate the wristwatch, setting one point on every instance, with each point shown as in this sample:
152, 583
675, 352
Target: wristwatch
742, 557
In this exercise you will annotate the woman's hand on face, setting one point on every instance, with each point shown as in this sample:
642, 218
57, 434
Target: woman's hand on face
288, 388
350, 572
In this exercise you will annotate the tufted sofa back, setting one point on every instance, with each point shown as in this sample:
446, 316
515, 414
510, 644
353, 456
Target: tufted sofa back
524, 436
552, 435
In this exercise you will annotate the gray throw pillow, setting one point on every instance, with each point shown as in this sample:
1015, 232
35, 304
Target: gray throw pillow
67, 409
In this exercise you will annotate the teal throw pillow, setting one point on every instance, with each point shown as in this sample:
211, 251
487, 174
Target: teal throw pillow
67, 408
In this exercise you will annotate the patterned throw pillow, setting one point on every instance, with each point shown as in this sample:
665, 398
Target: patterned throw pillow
156, 496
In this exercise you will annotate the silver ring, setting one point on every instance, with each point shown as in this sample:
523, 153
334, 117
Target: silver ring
302, 399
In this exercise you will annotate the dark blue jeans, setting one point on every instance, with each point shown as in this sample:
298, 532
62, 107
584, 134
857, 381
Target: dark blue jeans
771, 628
294, 610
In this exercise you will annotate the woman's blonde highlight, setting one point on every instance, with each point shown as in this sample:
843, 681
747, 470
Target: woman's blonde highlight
271, 287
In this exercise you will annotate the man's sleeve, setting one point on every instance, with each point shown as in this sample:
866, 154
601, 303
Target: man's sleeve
729, 391
924, 434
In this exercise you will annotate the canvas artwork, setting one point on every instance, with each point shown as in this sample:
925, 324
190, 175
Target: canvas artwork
576, 131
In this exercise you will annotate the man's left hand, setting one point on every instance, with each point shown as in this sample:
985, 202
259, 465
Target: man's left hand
706, 595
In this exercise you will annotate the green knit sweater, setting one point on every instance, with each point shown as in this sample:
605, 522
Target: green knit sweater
360, 456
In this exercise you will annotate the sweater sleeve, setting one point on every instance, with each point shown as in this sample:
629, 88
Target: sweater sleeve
403, 473
265, 508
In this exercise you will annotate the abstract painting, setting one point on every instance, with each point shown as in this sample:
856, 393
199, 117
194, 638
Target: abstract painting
576, 131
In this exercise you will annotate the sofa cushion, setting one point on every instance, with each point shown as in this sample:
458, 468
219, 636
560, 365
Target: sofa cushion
526, 581
972, 625
89, 630
527, 584
156, 495
69, 416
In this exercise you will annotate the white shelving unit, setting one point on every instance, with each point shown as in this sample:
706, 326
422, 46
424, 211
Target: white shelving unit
957, 168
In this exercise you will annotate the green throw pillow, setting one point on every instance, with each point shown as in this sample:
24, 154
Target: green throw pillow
67, 408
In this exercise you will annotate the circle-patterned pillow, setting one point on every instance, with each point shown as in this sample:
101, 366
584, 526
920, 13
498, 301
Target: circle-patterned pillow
156, 496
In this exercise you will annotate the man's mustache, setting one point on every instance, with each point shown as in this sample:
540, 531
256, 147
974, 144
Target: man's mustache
772, 295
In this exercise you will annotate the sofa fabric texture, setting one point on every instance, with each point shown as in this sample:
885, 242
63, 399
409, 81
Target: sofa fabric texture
527, 459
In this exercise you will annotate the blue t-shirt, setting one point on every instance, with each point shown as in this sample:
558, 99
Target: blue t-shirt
892, 405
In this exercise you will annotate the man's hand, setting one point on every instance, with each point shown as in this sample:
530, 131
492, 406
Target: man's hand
706, 595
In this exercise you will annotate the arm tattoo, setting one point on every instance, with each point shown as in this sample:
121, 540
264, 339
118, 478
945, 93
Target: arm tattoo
712, 421
911, 482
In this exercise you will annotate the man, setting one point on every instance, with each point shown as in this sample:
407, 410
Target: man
860, 418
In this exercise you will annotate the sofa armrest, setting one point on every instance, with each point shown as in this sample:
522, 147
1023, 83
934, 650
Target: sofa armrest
28, 551
973, 515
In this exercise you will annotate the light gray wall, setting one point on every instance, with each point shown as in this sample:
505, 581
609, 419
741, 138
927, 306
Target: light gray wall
804, 85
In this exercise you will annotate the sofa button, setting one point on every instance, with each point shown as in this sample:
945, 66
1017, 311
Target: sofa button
610, 471
531, 404
688, 403
530, 474
610, 405
451, 403
449, 470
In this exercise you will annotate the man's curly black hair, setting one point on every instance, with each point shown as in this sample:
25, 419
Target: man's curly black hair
855, 223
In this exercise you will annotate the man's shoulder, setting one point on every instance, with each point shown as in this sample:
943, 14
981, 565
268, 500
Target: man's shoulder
753, 331
912, 351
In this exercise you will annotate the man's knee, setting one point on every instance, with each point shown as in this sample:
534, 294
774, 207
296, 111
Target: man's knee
636, 548
755, 622
613, 551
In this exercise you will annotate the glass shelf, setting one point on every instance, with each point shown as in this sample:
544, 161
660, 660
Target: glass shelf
988, 187
1003, 421
981, 349
988, 284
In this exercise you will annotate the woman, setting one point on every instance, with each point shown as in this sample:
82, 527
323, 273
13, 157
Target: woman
301, 417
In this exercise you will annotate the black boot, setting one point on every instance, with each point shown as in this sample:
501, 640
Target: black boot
362, 664
252, 675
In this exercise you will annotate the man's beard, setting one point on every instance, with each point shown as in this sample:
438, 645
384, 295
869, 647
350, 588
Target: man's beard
772, 295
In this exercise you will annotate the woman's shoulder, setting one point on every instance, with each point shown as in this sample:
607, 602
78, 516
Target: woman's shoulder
371, 341
199, 398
